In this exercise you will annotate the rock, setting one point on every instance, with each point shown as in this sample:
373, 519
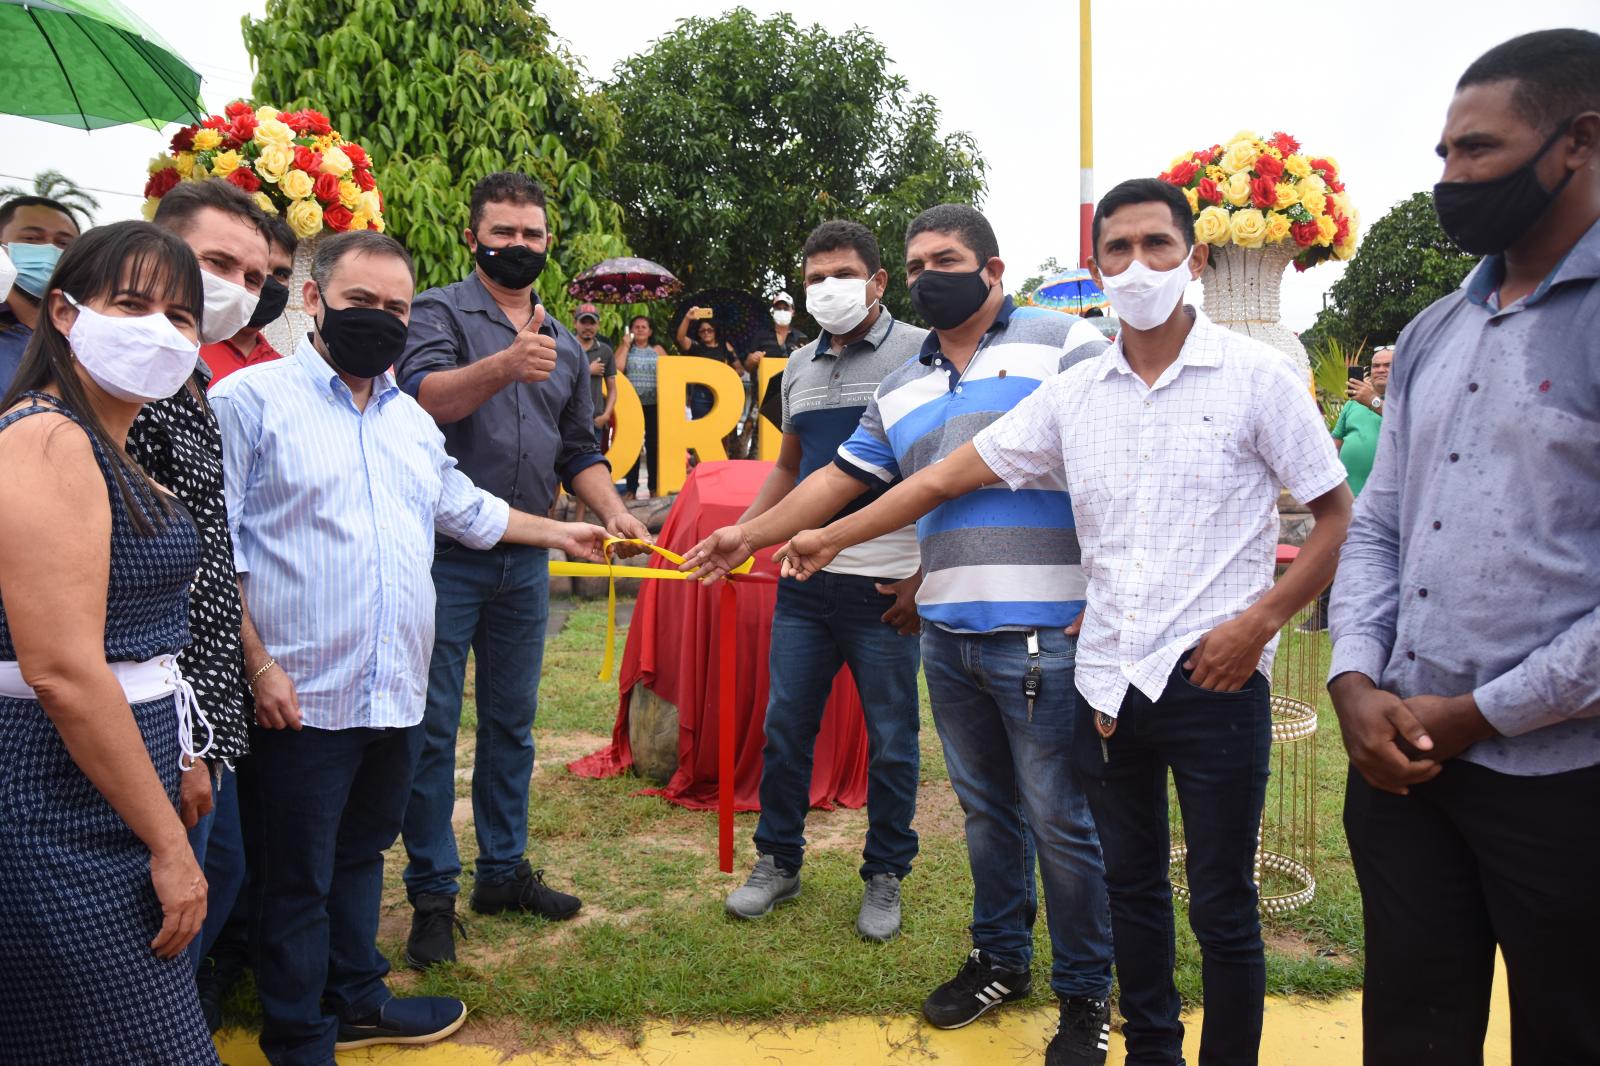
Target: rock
653, 735
1294, 521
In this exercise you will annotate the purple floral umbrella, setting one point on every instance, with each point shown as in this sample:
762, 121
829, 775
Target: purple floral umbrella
625, 280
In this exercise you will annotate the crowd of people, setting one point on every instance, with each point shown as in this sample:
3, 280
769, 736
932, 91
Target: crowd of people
239, 588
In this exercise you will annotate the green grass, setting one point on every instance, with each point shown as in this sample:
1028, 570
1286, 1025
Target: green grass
653, 941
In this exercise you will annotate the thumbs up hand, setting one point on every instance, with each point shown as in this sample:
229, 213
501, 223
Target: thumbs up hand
532, 355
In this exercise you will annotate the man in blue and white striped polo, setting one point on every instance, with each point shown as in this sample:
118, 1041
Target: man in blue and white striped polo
1001, 583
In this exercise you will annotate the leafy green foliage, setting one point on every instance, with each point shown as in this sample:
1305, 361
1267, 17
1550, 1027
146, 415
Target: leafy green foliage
442, 92
60, 188
1405, 263
742, 134
1331, 361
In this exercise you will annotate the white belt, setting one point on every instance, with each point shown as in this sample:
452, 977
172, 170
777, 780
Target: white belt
141, 682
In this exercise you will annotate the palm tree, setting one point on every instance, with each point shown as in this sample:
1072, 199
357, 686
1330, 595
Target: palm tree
60, 188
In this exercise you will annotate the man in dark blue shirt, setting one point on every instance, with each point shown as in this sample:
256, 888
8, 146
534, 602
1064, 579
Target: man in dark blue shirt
509, 386
35, 230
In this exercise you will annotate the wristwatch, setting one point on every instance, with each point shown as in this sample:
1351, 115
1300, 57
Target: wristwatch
1377, 403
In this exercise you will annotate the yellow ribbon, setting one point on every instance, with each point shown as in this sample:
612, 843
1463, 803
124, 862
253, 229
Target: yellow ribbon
611, 571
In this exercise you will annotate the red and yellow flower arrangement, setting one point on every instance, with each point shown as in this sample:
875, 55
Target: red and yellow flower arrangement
1252, 192
294, 163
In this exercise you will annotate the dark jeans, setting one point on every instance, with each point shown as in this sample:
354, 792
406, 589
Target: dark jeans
1217, 745
1468, 861
819, 625
493, 603
701, 401
219, 849
647, 455
1013, 774
330, 804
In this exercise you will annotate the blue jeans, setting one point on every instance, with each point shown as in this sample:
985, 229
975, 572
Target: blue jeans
330, 804
1217, 745
1013, 774
219, 849
818, 626
495, 604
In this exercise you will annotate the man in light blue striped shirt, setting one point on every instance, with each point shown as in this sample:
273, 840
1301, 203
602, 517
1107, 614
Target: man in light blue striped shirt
336, 482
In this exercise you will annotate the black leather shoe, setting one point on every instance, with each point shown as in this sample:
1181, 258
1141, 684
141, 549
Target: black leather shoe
433, 931
526, 892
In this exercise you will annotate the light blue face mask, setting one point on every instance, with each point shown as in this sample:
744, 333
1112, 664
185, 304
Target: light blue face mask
35, 263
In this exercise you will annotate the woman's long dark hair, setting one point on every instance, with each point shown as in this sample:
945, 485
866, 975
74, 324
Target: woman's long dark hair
133, 256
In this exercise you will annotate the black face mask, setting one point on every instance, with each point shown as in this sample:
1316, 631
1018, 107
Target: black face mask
362, 341
515, 266
274, 298
1487, 217
947, 298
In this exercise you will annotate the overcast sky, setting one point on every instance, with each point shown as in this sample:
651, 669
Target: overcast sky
1365, 81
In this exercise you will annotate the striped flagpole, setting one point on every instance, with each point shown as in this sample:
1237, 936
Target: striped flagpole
1085, 137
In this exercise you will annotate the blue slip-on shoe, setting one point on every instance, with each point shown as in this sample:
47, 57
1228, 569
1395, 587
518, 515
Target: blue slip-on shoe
403, 1020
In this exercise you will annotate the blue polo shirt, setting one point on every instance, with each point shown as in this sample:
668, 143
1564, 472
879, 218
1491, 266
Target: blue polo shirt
993, 559
14, 337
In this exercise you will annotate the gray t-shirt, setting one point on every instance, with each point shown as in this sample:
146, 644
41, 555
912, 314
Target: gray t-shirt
608, 358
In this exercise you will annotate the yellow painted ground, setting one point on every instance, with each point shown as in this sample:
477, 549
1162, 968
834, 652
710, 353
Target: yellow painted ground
1297, 1034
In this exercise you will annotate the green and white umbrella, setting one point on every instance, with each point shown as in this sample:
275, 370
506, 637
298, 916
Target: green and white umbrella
90, 64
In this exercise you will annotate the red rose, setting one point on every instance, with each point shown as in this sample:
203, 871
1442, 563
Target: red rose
315, 122
1305, 233
237, 108
1184, 172
1269, 166
246, 179
1329, 171
1263, 192
1208, 191
161, 182
357, 154
307, 159
364, 179
183, 140
337, 217
243, 128
216, 122
1343, 232
1336, 186
327, 188
1284, 143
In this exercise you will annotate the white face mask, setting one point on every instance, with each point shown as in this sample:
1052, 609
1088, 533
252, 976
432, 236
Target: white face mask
782, 318
8, 275
139, 360
1145, 298
838, 304
228, 308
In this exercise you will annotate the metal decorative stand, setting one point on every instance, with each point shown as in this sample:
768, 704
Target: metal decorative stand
1241, 288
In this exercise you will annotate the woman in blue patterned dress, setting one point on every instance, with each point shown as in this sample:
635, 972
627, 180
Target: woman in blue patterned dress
99, 890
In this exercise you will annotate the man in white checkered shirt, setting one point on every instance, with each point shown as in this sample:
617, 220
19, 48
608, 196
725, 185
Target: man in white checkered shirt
1174, 444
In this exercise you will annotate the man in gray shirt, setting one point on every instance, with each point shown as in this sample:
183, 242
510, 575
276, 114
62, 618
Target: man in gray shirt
1466, 613
602, 370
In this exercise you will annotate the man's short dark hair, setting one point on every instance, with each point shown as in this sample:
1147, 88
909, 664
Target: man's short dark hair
963, 221
177, 210
279, 233
839, 234
1145, 191
503, 187
10, 208
1557, 74
356, 242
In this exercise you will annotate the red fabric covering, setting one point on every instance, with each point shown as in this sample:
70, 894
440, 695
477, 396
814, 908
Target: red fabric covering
672, 650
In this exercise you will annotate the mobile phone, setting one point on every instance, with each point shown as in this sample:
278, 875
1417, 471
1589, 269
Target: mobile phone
1358, 373
702, 312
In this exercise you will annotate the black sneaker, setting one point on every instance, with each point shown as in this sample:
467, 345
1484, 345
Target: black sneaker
526, 891
433, 930
218, 973
979, 986
1084, 1036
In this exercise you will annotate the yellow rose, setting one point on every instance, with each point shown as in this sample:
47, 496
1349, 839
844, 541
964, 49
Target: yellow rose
225, 163
1338, 203
297, 185
1248, 228
1326, 229
1345, 250
335, 162
378, 223
273, 132
148, 210
1313, 182
274, 162
266, 114
264, 202
1212, 226
305, 218
1313, 201
162, 162
1193, 197
1298, 165
1236, 190
1239, 156
371, 204
205, 140
1277, 227
183, 163
360, 221
201, 172
1244, 135
1288, 196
